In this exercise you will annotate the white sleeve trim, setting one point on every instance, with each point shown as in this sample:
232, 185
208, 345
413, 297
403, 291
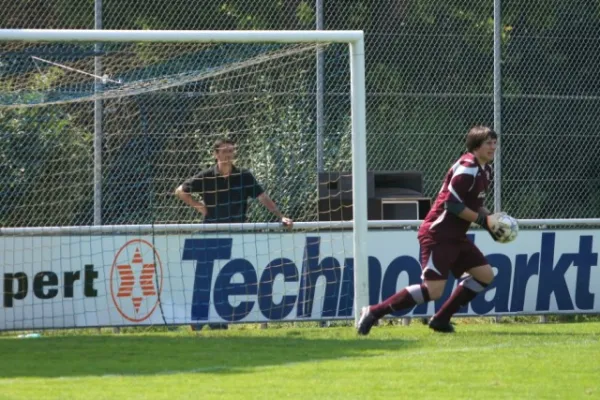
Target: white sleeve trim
461, 169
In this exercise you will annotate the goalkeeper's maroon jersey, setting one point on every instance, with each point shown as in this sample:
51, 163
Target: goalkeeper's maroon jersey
466, 182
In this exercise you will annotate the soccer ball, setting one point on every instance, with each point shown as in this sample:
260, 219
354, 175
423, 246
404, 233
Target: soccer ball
510, 225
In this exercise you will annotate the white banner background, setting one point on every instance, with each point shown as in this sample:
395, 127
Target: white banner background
51, 263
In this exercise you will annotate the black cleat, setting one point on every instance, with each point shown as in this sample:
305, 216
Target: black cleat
440, 326
365, 322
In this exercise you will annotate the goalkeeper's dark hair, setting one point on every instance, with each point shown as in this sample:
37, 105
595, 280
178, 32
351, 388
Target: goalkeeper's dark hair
477, 135
221, 142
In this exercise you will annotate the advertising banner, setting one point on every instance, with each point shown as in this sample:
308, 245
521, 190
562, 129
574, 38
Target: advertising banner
82, 281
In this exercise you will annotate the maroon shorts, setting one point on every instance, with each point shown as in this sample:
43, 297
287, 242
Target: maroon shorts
439, 258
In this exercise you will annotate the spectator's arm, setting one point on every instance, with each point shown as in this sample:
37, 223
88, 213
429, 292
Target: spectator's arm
271, 206
189, 200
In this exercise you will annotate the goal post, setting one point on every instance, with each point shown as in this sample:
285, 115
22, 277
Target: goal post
148, 232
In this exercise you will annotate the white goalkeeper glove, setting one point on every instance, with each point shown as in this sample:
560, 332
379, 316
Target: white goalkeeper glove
490, 224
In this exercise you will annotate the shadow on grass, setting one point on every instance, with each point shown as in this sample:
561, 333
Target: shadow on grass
79, 356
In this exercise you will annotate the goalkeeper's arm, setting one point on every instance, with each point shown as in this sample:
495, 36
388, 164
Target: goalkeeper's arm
481, 218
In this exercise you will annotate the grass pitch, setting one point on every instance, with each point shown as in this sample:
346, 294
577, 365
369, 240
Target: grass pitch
480, 361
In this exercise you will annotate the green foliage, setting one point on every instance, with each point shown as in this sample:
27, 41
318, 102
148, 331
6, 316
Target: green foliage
46, 174
429, 77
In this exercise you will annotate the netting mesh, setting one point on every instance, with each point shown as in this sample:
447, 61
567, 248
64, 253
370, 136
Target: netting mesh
551, 96
429, 78
62, 73
164, 105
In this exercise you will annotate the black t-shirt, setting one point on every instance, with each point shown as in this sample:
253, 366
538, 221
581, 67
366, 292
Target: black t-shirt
225, 197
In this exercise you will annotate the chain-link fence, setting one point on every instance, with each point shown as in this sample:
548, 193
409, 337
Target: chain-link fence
429, 78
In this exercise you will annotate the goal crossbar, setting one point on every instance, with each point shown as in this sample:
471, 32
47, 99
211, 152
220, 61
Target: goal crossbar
91, 35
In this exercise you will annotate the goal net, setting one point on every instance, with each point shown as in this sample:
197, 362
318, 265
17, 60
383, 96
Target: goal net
98, 130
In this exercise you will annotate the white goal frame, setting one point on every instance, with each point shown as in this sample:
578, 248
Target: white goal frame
355, 40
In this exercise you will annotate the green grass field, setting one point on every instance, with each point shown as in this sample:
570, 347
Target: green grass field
480, 361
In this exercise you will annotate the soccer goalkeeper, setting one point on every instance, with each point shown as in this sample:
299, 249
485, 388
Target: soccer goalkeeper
445, 248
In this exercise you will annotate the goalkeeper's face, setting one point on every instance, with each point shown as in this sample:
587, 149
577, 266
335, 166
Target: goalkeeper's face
485, 152
225, 154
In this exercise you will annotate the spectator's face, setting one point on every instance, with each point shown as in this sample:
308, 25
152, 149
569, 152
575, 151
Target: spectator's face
225, 154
